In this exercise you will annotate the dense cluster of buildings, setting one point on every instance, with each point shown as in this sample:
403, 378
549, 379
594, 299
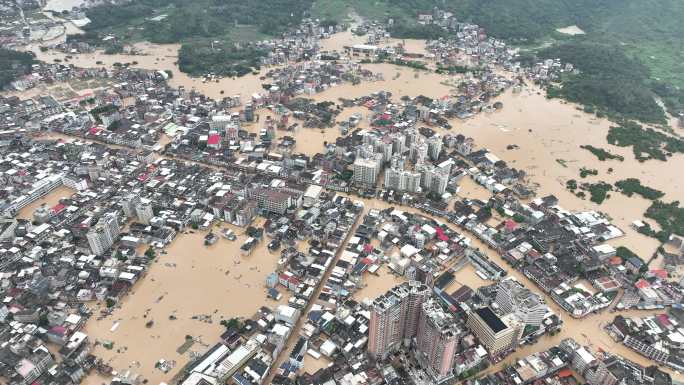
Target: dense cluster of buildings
658, 337
560, 365
130, 193
455, 342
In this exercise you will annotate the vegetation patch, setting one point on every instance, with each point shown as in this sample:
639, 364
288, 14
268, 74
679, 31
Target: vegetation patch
407, 30
105, 109
646, 143
14, 64
223, 60
669, 216
598, 192
415, 64
173, 21
562, 162
631, 186
672, 97
625, 253
584, 172
602, 154
609, 81
456, 69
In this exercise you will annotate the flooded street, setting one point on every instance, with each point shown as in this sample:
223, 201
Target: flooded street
159, 57
377, 285
50, 200
587, 331
186, 292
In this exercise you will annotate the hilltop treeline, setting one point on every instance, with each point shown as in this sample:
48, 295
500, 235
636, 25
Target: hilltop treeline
609, 80
196, 19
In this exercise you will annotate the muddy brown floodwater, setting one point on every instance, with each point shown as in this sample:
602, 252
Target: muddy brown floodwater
50, 200
546, 131
186, 292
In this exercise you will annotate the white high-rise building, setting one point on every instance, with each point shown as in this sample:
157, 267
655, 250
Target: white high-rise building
436, 341
128, 203
397, 162
226, 124
395, 316
366, 170
434, 147
219, 122
418, 152
512, 297
402, 180
385, 148
103, 235
433, 179
144, 211
496, 334
398, 143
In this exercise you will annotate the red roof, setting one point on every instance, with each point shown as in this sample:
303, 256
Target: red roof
565, 373
533, 254
641, 284
616, 261
58, 208
660, 273
58, 330
441, 235
214, 139
367, 247
510, 225
663, 319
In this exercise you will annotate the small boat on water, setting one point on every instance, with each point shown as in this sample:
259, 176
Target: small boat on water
210, 239
229, 234
274, 245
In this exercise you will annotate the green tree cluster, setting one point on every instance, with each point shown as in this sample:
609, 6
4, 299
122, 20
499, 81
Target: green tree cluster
221, 59
669, 216
602, 154
646, 143
14, 64
598, 192
183, 20
609, 80
631, 186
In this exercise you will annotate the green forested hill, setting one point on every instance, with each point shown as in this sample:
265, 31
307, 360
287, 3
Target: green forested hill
640, 43
632, 49
172, 21
651, 30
